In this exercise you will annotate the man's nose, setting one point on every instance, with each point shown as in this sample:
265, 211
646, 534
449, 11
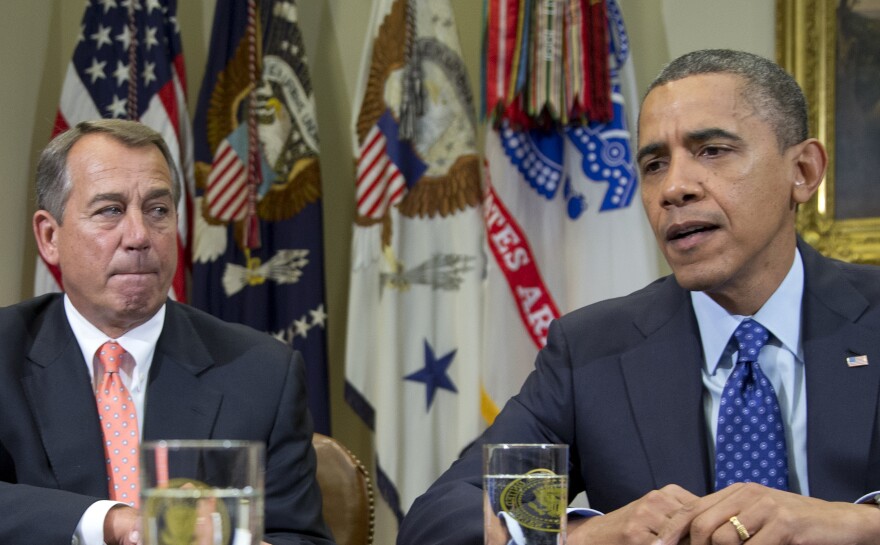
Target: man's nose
683, 182
136, 231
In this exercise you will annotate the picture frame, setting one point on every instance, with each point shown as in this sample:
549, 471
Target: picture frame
817, 44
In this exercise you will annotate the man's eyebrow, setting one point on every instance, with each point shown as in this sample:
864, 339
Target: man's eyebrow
650, 149
158, 194
711, 134
120, 197
703, 135
107, 197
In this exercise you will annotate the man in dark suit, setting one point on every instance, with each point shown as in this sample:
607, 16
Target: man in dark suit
107, 192
637, 385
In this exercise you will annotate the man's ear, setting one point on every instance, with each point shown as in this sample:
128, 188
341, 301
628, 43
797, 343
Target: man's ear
810, 161
46, 233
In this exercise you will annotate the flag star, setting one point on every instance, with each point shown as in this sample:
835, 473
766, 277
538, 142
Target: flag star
124, 37
434, 374
121, 73
127, 4
318, 316
107, 5
149, 73
96, 70
173, 21
102, 36
117, 107
302, 327
153, 4
82, 34
151, 39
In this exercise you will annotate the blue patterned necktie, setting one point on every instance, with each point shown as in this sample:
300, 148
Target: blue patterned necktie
750, 443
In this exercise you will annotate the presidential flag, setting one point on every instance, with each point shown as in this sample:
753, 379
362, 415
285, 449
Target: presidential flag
128, 64
564, 223
412, 356
258, 255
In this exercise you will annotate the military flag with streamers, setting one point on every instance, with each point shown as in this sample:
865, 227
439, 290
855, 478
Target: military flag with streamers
258, 244
564, 226
412, 357
128, 64
546, 62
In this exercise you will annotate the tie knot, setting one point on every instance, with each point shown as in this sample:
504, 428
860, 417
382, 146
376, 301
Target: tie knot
110, 356
750, 336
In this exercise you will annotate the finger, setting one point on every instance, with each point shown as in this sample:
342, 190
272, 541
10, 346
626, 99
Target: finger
739, 527
678, 525
751, 504
679, 494
656, 508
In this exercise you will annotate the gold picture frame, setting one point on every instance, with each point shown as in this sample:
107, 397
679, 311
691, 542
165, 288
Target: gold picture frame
806, 46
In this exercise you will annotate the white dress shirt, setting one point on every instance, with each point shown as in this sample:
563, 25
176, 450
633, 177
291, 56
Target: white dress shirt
140, 345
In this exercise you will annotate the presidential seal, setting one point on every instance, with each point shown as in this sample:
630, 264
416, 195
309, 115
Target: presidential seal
186, 512
536, 500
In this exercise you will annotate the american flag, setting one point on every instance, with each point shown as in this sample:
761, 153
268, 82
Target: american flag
386, 166
227, 193
128, 63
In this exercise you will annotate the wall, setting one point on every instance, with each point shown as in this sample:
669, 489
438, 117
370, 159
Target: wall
37, 39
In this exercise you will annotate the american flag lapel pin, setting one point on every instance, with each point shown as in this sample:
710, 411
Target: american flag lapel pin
857, 361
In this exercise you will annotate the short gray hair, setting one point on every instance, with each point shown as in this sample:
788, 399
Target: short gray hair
773, 92
53, 177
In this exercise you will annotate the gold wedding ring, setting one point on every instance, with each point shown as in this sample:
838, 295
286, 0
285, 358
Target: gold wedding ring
740, 529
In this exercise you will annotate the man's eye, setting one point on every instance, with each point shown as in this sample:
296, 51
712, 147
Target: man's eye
652, 166
713, 151
110, 211
159, 211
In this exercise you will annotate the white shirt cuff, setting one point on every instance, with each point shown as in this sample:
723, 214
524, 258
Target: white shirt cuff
90, 530
583, 512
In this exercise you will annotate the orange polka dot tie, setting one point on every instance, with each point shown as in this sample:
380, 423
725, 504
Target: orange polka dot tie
118, 417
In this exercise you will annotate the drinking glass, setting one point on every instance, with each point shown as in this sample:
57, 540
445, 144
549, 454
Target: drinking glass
206, 492
525, 493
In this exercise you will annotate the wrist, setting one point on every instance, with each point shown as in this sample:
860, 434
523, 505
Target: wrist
869, 522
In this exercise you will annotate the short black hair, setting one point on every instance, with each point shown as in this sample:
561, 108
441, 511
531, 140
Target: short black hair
771, 90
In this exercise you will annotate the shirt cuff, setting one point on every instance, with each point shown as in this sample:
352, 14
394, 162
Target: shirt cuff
90, 530
583, 512
873, 497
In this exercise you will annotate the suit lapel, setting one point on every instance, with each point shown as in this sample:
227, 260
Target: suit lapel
59, 392
179, 404
841, 400
664, 371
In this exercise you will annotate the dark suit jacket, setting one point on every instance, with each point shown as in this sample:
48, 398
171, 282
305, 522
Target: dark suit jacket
620, 382
208, 379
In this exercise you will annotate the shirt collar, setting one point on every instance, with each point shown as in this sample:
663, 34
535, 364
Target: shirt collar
140, 342
781, 315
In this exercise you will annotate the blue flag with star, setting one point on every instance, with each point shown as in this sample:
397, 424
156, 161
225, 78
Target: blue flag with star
258, 255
